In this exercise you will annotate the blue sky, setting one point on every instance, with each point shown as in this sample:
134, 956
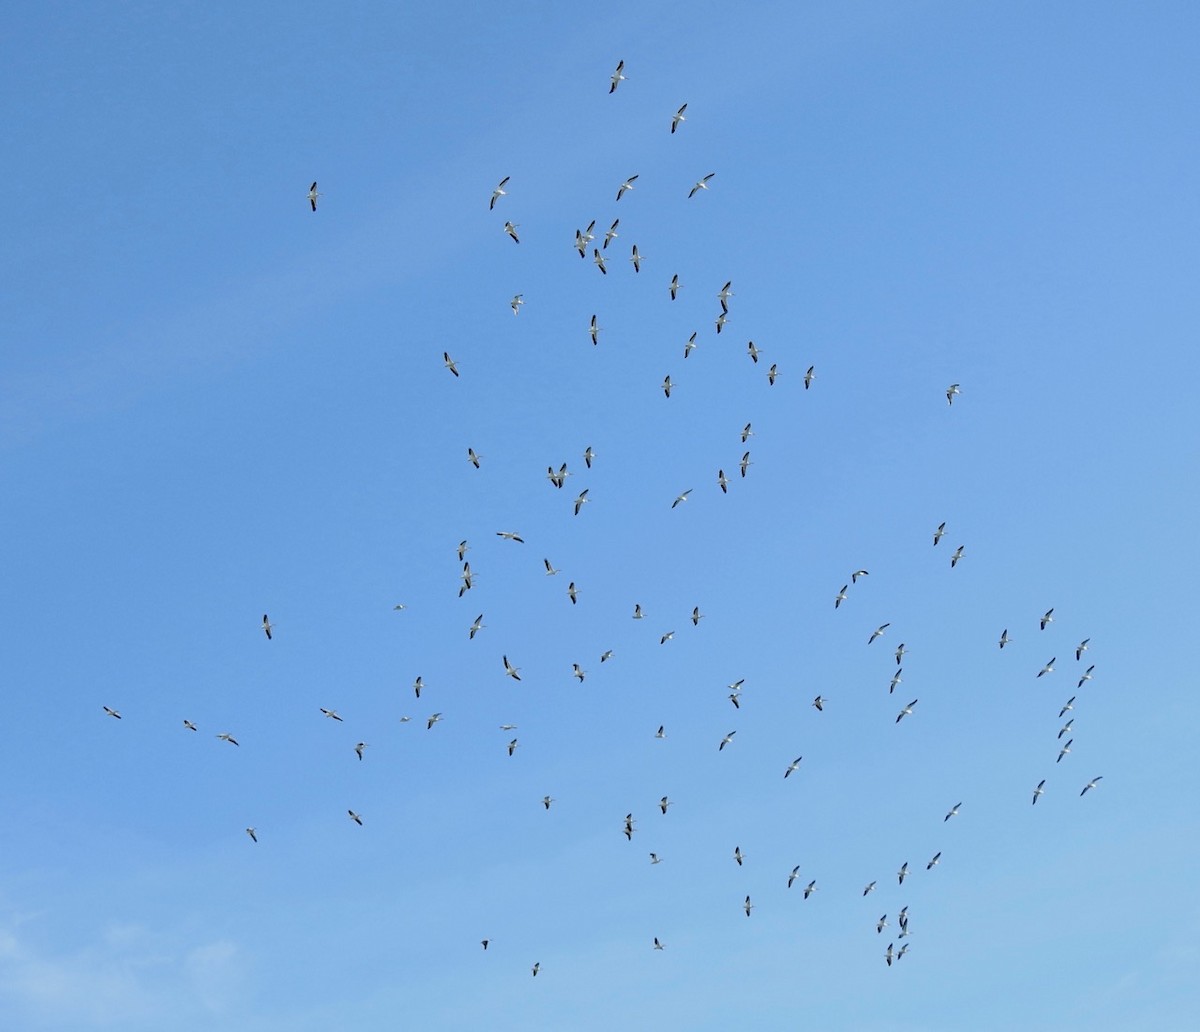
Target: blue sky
215, 403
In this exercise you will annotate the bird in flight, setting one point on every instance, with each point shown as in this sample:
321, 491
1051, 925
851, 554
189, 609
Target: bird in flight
638, 614
667, 385
581, 501
511, 671
253, 833
1064, 750
606, 655
753, 351
722, 481
725, 294
536, 968
1087, 676
772, 373
1038, 791
463, 549
433, 719
747, 906
878, 632
939, 533
858, 573
473, 457
448, 362
657, 945
312, 196
512, 748
550, 570
792, 767
572, 593
1065, 729
516, 303
663, 803
266, 626
510, 535
889, 955
359, 749
722, 319
793, 876
582, 239
701, 184
810, 888
907, 711
953, 812
1090, 784
112, 712
738, 855
588, 455
697, 616
225, 736
677, 118
869, 889
418, 686
809, 376
189, 725
901, 652
559, 478
896, 679
617, 77
511, 229
1081, 648
476, 627
625, 187
681, 498
578, 672
600, 260
1048, 668
331, 714
636, 258
902, 873
1004, 638
1067, 707
819, 703
1047, 618
546, 801
666, 637
934, 861
724, 742
610, 234
499, 192
594, 329
841, 596
674, 288
958, 554
661, 732
950, 392
745, 464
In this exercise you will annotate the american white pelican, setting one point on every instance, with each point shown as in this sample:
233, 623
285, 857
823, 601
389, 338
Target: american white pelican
636, 258
677, 118
907, 711
510, 535
878, 632
1090, 784
516, 303
312, 196
701, 185
618, 77
448, 362
511, 671
499, 192
625, 187
511, 229
724, 742
681, 498
950, 392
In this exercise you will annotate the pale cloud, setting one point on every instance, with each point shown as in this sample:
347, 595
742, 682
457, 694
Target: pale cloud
129, 978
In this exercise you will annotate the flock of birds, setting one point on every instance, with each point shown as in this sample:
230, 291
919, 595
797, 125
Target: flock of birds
557, 477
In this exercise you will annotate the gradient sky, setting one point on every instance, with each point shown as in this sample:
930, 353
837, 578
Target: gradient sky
215, 403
